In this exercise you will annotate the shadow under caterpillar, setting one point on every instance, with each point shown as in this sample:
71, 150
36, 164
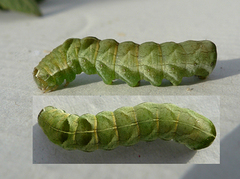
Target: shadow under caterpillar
126, 126
127, 61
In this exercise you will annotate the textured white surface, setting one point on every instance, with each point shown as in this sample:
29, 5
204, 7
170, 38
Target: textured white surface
25, 40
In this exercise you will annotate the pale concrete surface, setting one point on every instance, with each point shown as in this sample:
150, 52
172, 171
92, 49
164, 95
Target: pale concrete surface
25, 40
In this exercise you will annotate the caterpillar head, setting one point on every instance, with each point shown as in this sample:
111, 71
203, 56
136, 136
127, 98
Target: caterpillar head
44, 80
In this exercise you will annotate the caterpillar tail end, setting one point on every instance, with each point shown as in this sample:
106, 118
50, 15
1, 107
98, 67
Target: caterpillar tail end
206, 141
41, 83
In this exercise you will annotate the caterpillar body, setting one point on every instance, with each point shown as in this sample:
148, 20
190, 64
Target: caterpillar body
126, 126
127, 61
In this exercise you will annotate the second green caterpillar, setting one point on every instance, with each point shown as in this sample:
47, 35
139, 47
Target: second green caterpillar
127, 126
127, 61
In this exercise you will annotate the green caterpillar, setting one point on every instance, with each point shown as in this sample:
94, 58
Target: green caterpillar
127, 61
126, 126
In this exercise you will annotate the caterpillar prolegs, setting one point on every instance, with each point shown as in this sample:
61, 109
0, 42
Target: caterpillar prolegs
127, 61
126, 126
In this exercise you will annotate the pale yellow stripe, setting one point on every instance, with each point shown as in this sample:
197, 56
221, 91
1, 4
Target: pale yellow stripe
115, 126
96, 51
114, 57
95, 130
175, 130
135, 117
48, 70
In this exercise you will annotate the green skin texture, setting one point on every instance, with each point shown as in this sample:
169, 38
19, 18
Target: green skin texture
127, 61
126, 126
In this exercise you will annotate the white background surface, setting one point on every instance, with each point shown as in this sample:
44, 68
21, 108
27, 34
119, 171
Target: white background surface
25, 40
